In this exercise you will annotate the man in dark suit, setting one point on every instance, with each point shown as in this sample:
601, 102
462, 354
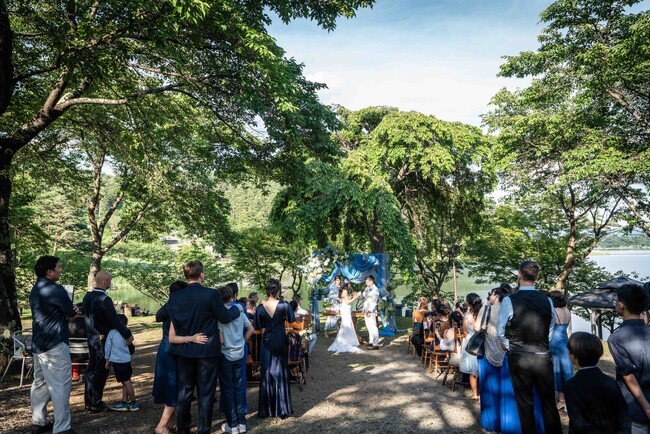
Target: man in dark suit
101, 317
192, 310
525, 326
594, 401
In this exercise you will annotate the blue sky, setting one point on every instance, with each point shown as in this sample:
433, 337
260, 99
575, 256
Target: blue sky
437, 57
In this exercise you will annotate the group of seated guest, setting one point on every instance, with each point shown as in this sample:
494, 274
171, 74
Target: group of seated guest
594, 401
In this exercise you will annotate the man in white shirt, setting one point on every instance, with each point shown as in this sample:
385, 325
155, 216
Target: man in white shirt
370, 298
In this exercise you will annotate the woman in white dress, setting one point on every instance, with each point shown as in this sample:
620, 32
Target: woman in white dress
346, 340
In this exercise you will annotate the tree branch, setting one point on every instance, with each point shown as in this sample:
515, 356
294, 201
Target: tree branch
124, 232
618, 97
110, 211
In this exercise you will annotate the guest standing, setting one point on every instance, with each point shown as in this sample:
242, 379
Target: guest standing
164, 380
118, 355
101, 318
468, 362
593, 400
51, 309
562, 368
489, 366
630, 348
525, 327
196, 310
232, 358
275, 394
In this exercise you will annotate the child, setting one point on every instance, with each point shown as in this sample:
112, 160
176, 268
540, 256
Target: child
117, 354
593, 400
630, 348
232, 357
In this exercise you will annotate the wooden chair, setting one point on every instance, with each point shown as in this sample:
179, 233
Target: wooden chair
297, 364
452, 368
437, 357
254, 359
457, 378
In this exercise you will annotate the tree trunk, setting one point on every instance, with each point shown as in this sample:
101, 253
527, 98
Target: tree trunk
95, 266
9, 312
569, 259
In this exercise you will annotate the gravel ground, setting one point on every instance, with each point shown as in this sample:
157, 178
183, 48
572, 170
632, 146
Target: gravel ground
385, 391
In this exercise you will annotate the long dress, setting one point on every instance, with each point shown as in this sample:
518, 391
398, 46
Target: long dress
489, 373
275, 394
164, 380
468, 362
346, 340
562, 367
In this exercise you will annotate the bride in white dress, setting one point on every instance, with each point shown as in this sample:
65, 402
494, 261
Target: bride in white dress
346, 339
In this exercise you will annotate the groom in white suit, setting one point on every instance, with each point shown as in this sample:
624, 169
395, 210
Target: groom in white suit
370, 299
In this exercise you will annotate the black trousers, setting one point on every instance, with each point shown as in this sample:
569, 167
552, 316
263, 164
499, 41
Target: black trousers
201, 373
96, 373
528, 370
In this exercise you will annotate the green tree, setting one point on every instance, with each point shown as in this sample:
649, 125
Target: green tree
594, 54
257, 255
407, 184
513, 233
58, 58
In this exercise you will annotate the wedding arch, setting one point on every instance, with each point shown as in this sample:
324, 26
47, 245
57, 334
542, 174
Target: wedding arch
325, 264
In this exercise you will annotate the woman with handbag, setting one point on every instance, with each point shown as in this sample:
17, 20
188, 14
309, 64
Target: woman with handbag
468, 362
489, 365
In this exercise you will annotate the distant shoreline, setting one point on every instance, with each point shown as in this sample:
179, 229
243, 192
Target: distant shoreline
615, 249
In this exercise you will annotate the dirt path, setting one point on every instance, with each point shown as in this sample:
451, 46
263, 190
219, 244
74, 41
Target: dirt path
384, 391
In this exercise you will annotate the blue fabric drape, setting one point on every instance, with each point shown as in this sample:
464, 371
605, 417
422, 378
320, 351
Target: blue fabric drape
362, 265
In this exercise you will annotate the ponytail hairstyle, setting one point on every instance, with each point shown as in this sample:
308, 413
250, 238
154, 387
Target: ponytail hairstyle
474, 303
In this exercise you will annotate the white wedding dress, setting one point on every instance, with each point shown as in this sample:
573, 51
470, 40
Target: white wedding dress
346, 340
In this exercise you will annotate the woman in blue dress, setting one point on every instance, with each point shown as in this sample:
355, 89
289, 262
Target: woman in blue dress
275, 394
562, 367
164, 381
489, 366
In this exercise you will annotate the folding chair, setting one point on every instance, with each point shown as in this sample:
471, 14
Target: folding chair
22, 351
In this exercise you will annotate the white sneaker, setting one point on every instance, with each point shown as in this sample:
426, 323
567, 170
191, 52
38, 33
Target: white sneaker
226, 428
242, 428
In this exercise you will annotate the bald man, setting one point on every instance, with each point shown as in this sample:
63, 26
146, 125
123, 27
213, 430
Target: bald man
101, 317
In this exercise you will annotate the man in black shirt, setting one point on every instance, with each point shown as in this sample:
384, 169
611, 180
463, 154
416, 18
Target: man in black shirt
630, 349
51, 309
101, 318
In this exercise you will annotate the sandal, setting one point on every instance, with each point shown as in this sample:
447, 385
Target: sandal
163, 430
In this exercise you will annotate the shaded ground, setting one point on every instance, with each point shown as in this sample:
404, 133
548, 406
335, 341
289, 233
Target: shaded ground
376, 391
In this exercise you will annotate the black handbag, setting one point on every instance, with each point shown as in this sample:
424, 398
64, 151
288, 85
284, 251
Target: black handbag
476, 344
